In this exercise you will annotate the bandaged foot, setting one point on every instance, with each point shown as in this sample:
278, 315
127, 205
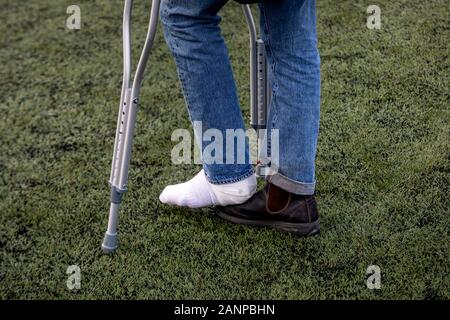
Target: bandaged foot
199, 192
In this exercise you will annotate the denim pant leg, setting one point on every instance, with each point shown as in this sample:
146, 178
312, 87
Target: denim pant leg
289, 31
192, 32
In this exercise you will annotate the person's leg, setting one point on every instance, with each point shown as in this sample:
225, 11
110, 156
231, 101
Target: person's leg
289, 30
192, 32
287, 202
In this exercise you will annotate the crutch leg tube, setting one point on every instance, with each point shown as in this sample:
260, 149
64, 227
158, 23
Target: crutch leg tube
126, 120
259, 84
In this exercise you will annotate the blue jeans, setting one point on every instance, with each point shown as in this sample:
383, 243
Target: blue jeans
288, 28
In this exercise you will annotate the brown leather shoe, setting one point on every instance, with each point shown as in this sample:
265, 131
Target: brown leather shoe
275, 208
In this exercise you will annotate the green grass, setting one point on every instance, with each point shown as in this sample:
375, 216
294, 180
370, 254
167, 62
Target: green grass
382, 163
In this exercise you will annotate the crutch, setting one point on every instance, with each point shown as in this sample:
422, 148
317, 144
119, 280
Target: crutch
260, 91
126, 121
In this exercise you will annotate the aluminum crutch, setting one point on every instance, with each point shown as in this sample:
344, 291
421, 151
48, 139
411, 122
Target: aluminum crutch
126, 121
260, 92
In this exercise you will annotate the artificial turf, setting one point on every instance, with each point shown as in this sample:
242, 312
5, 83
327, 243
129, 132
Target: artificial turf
382, 166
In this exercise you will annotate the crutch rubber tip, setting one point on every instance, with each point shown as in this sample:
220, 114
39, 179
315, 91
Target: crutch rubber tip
109, 242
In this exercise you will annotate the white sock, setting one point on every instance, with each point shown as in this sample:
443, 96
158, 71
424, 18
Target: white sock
199, 192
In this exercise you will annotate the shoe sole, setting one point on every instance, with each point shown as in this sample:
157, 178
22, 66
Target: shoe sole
300, 229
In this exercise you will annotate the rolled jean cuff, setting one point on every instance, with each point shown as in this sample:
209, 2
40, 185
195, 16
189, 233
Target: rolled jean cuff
293, 186
223, 180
